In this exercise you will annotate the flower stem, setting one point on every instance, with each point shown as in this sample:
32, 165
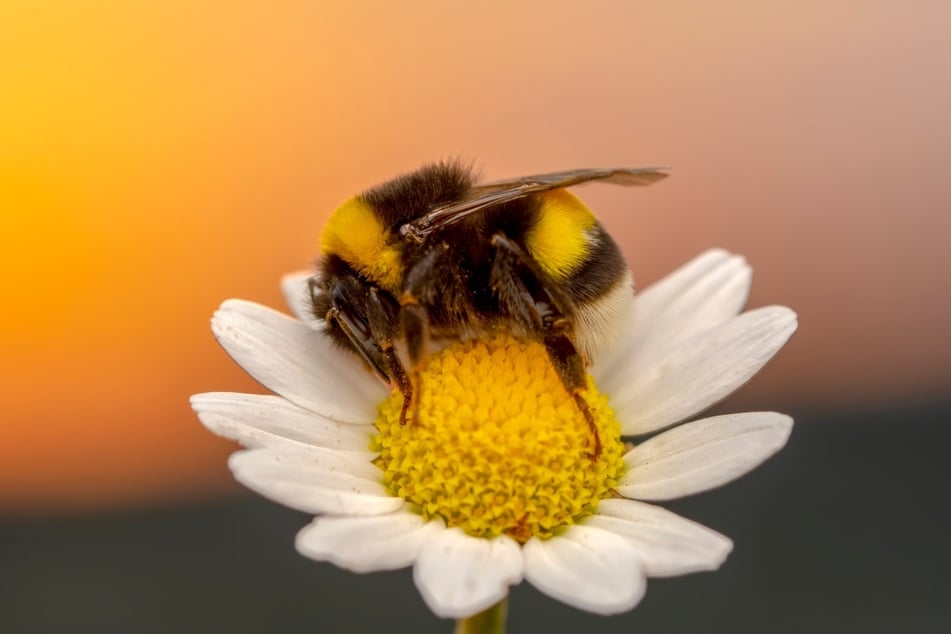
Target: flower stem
488, 621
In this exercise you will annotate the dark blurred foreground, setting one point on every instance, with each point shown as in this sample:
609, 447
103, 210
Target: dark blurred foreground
847, 530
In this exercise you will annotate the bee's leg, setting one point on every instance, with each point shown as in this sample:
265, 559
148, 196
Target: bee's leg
354, 324
517, 278
570, 368
383, 315
527, 294
418, 291
414, 322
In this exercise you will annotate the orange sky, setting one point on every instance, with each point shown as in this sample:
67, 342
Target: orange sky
156, 158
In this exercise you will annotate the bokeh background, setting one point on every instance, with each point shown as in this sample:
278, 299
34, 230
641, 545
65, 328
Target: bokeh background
159, 157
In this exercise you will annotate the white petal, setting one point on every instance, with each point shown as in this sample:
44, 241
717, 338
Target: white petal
666, 543
657, 296
257, 420
717, 296
301, 365
297, 294
367, 544
588, 568
459, 575
706, 291
700, 371
315, 481
701, 455
303, 458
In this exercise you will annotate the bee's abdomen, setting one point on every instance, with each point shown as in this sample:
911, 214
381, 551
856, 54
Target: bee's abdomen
580, 256
562, 234
600, 270
604, 291
571, 247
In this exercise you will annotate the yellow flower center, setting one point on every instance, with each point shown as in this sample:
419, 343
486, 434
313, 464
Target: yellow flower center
500, 446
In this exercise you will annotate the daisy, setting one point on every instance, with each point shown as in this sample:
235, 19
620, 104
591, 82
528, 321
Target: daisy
496, 484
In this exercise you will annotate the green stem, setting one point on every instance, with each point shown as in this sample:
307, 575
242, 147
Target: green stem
489, 621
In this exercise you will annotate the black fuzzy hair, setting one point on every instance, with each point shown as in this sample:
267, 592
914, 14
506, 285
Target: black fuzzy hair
412, 195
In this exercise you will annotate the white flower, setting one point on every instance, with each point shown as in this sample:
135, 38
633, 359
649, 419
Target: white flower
686, 347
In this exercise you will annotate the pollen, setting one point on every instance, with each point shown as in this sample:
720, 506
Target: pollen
500, 447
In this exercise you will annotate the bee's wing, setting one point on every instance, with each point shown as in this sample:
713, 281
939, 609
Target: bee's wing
495, 193
542, 182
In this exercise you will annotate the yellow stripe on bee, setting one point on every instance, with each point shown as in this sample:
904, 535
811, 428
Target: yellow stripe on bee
355, 233
559, 239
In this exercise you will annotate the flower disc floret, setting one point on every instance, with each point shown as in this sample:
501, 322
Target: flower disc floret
500, 447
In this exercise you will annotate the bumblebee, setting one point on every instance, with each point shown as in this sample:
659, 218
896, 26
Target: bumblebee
433, 256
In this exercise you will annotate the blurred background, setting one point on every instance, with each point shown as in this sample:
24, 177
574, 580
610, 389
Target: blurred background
159, 157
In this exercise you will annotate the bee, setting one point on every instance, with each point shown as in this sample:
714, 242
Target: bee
432, 256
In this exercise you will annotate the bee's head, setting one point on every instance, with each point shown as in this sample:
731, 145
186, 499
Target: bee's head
357, 235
